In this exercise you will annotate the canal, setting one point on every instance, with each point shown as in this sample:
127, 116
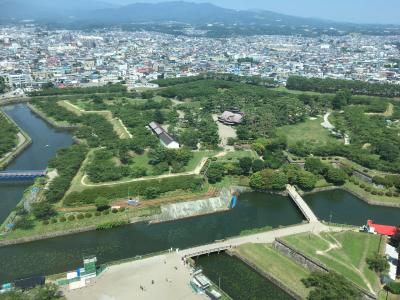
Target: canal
45, 142
238, 280
254, 210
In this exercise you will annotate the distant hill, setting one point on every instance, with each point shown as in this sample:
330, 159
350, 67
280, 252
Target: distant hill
186, 12
48, 10
160, 16
100, 11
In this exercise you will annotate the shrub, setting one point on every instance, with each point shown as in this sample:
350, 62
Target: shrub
88, 196
356, 182
71, 218
114, 210
45, 222
63, 219
151, 192
377, 263
88, 215
43, 210
389, 194
106, 212
374, 193
53, 221
80, 216
122, 209
380, 193
110, 225
102, 204
362, 185
368, 189
97, 213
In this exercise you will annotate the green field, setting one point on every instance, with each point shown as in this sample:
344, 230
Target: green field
40, 229
238, 154
280, 267
310, 131
343, 252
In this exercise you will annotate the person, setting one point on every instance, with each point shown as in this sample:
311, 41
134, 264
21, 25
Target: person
152, 282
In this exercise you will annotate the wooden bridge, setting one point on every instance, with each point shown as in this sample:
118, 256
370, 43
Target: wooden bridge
301, 204
21, 175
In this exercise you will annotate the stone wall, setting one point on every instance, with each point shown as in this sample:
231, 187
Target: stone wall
311, 264
299, 257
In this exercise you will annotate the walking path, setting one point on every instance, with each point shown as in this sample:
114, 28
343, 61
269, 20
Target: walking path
264, 237
327, 124
194, 172
301, 204
168, 271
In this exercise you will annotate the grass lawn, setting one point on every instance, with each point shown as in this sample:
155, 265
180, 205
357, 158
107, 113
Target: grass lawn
40, 229
279, 266
229, 181
79, 109
236, 155
343, 252
309, 131
368, 196
197, 157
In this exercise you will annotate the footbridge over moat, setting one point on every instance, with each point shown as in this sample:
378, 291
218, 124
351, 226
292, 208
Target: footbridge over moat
21, 175
301, 204
313, 225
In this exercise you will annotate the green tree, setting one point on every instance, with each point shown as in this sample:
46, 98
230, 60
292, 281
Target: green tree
102, 203
336, 176
315, 166
377, 263
279, 180
330, 286
24, 223
257, 165
306, 180
215, 172
245, 164
190, 138
43, 210
257, 181
268, 180
159, 117
342, 98
151, 192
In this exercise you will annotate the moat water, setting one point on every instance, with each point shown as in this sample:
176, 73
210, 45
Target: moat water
254, 210
45, 142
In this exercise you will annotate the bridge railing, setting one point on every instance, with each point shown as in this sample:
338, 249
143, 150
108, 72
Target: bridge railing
208, 251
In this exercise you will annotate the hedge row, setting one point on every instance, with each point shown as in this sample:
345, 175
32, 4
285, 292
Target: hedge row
88, 196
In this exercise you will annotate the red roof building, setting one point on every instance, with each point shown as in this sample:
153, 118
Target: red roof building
382, 229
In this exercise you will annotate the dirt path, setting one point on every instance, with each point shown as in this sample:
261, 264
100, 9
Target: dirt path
118, 125
352, 267
195, 172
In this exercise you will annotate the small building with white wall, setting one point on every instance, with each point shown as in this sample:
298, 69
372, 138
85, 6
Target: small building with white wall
165, 138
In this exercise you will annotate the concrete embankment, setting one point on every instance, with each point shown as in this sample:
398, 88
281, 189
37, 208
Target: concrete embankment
170, 212
189, 209
51, 121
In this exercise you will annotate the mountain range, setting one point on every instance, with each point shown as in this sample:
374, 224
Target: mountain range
154, 17
101, 11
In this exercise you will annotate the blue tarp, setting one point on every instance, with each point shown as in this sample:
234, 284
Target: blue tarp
234, 200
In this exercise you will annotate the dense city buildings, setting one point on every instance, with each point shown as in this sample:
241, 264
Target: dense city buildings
31, 56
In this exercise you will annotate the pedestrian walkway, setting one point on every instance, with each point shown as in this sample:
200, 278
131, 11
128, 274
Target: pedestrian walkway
301, 204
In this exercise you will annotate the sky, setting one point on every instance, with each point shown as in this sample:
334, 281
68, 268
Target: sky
356, 11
